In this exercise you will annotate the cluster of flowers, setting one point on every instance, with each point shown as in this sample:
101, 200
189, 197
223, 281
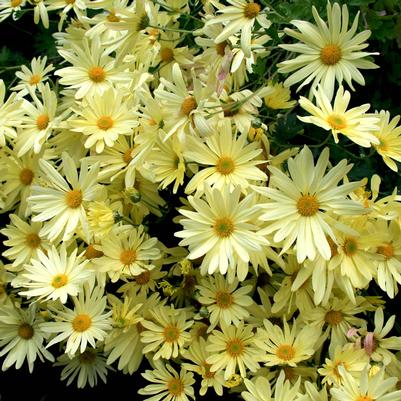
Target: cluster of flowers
264, 293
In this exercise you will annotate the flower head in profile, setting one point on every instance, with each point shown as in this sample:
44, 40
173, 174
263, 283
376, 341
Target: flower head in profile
328, 52
354, 123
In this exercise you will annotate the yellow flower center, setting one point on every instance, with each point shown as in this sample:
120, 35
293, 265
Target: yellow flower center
142, 278
223, 227
235, 347
42, 121
69, 1
105, 123
92, 253
230, 109
350, 247
188, 105
81, 322
383, 146
97, 74
73, 198
307, 205
171, 334
25, 331
251, 10
221, 48
225, 165
127, 256
15, 3
60, 280
35, 79
285, 352
33, 240
207, 373
127, 156
112, 17
337, 122
364, 398
87, 357
330, 54
386, 250
175, 387
166, 54
224, 299
26, 176
333, 317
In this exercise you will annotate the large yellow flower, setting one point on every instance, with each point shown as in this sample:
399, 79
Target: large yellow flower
328, 52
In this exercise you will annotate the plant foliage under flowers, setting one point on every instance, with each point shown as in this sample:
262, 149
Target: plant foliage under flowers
172, 210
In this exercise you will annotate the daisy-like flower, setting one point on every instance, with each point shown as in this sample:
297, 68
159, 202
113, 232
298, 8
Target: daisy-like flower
11, 114
277, 96
221, 228
224, 301
21, 337
39, 121
103, 118
289, 346
166, 334
367, 388
240, 16
92, 71
59, 205
232, 161
167, 384
233, 347
353, 123
128, 251
9, 7
389, 136
297, 207
85, 367
328, 52
197, 354
33, 79
55, 275
84, 324
259, 389
24, 240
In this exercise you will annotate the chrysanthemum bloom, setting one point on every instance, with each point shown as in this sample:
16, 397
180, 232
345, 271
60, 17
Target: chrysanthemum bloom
352, 359
24, 240
289, 346
11, 114
197, 354
297, 207
39, 121
389, 135
369, 387
354, 123
222, 230
167, 384
61, 203
259, 389
55, 275
103, 118
240, 16
128, 251
232, 348
224, 301
21, 337
328, 53
166, 334
84, 324
228, 160
33, 79
8, 7
93, 71
85, 367
277, 96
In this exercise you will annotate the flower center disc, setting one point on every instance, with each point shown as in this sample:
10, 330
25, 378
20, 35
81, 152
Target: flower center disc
171, 334
25, 331
35, 79
225, 165
235, 347
97, 74
224, 299
386, 250
223, 227
87, 357
92, 253
105, 123
166, 54
188, 105
42, 121
26, 176
285, 352
81, 322
330, 54
336, 122
251, 10
307, 205
60, 280
33, 240
364, 398
127, 256
350, 247
73, 198
175, 387
142, 278
333, 317
221, 48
